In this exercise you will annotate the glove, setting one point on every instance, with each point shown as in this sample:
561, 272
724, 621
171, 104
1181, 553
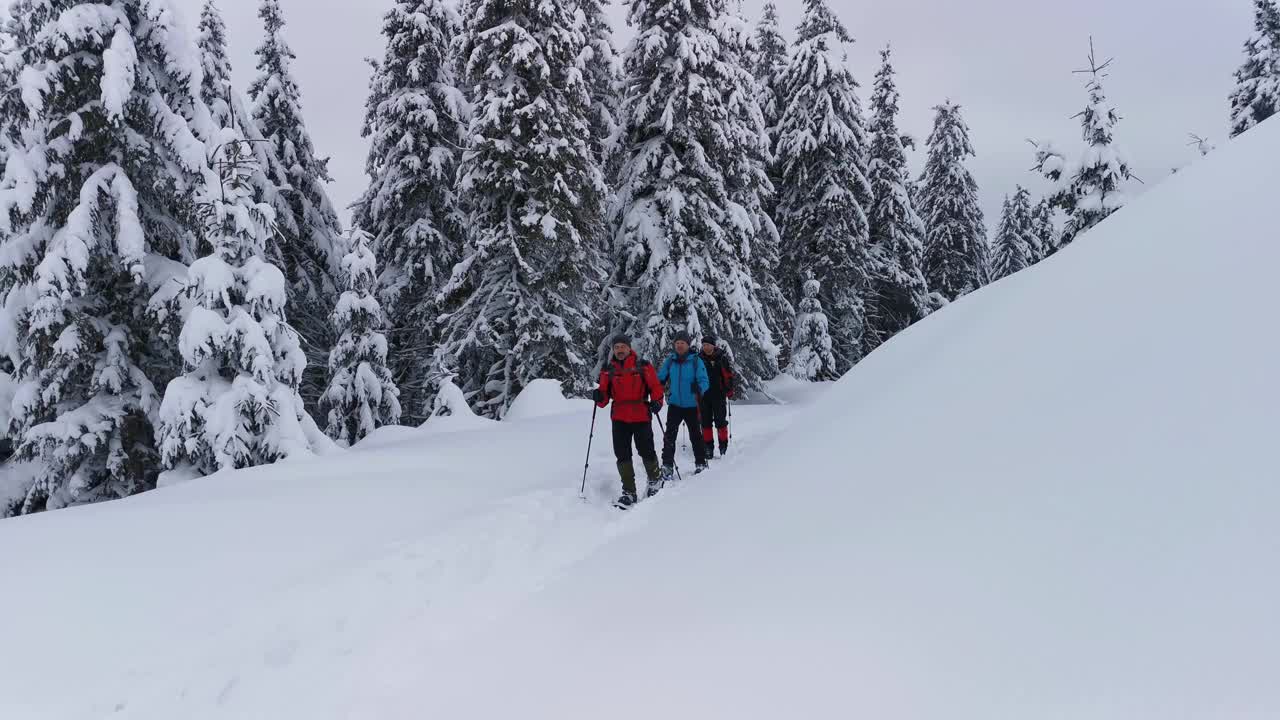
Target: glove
655, 407
597, 396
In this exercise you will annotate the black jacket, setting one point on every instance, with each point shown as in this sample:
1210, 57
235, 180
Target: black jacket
720, 372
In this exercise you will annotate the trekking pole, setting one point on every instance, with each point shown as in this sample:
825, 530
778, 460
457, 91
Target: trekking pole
594, 409
587, 464
674, 464
730, 404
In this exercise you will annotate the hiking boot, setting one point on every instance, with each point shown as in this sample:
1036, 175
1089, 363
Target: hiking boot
700, 467
627, 472
667, 474
653, 470
654, 473
624, 501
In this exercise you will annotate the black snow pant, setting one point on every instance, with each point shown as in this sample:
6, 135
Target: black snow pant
624, 433
689, 417
715, 411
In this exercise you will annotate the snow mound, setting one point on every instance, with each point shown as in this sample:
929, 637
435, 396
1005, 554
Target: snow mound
387, 435
788, 389
541, 398
452, 412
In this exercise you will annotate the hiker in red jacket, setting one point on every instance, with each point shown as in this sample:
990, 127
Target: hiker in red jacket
631, 384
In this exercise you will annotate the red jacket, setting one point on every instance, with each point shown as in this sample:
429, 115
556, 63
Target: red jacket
631, 388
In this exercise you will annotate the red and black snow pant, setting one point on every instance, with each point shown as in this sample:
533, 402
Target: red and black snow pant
715, 411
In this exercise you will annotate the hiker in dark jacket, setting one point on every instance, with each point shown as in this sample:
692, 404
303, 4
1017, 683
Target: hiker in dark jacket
632, 386
686, 379
715, 401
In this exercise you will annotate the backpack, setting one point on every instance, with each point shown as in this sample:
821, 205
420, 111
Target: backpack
691, 358
641, 364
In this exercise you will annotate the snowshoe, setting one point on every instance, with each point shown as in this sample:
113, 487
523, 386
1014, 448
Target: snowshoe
700, 468
668, 474
624, 501
654, 487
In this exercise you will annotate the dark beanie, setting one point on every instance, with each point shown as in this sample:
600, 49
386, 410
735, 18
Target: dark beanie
620, 340
682, 335
709, 340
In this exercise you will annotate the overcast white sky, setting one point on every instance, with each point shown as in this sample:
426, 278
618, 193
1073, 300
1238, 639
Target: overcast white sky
1008, 62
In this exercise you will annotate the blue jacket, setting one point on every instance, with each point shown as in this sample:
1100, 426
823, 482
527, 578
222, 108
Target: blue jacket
685, 379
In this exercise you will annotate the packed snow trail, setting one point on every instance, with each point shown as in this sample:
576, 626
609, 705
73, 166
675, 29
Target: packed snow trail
261, 592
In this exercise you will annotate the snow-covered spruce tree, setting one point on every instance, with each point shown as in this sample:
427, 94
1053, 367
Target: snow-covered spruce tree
1093, 188
768, 58
95, 204
689, 196
913, 187
811, 346
1256, 95
1015, 245
899, 295
1001, 228
216, 82
955, 249
10, 343
415, 119
599, 64
764, 265
10, 70
823, 192
756, 196
520, 304
229, 108
1044, 232
769, 62
310, 233
237, 404
362, 394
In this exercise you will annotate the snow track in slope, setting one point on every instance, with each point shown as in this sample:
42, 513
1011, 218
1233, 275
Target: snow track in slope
297, 590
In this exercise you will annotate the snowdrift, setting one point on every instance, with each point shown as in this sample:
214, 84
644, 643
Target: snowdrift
1055, 499
540, 399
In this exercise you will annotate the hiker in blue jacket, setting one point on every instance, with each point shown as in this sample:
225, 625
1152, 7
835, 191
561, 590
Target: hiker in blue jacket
686, 379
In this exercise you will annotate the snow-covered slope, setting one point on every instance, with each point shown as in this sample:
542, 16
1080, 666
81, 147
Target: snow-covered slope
1059, 498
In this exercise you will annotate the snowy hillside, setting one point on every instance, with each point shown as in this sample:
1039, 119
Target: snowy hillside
1056, 499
